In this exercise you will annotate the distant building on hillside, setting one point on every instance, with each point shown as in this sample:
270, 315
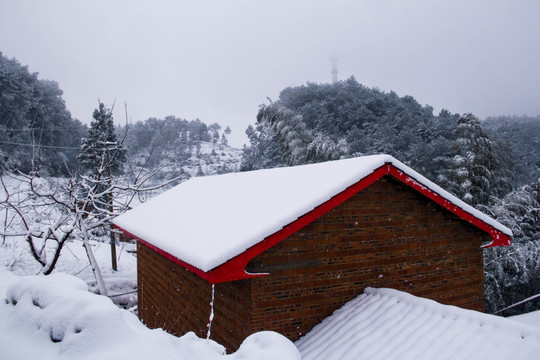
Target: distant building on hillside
286, 247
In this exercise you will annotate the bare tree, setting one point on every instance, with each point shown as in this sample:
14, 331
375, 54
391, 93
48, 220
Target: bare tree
48, 213
53, 212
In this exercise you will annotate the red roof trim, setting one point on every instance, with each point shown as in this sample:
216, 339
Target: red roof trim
191, 268
234, 269
499, 238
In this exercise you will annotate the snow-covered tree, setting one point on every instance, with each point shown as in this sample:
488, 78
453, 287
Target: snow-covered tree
522, 134
349, 119
102, 156
214, 131
101, 148
263, 151
37, 132
290, 131
225, 136
325, 148
48, 213
475, 167
512, 273
298, 144
51, 212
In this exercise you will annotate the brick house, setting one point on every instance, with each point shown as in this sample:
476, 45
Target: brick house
282, 249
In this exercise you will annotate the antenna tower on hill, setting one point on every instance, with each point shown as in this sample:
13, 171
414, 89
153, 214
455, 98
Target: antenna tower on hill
334, 69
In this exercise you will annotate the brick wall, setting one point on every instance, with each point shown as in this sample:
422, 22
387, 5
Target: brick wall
178, 301
387, 235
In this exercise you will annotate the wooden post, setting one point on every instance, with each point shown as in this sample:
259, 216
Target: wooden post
111, 209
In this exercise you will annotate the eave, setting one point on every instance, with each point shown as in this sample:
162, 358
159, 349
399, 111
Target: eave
234, 269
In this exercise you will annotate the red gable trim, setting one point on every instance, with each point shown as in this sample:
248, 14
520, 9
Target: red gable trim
191, 268
234, 269
499, 239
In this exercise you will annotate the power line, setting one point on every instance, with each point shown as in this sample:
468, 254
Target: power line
29, 129
43, 146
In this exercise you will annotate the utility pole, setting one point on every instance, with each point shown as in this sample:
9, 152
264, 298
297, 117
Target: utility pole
334, 70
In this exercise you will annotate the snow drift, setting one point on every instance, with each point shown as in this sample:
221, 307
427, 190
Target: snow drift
55, 317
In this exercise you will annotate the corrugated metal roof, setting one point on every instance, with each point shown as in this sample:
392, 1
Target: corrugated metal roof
389, 324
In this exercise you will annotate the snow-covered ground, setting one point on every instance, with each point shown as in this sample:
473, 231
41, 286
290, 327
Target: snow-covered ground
60, 317
56, 317
121, 284
209, 159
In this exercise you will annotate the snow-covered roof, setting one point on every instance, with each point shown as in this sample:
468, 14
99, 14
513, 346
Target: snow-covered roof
389, 324
207, 221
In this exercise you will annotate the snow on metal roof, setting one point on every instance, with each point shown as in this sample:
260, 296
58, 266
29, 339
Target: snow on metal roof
389, 324
207, 221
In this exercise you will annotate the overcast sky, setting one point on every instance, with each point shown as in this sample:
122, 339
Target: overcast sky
219, 60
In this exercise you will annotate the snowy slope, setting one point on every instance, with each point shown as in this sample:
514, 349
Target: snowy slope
208, 159
206, 221
389, 324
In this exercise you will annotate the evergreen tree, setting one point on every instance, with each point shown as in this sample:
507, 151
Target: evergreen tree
214, 129
435, 159
298, 143
263, 151
474, 165
102, 156
512, 273
290, 130
225, 136
37, 133
325, 148
522, 135
101, 150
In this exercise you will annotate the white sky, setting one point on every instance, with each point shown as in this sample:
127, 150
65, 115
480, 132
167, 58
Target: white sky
219, 60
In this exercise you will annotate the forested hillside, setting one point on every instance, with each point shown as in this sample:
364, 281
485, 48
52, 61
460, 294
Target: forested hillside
180, 148
318, 122
37, 132
522, 134
493, 165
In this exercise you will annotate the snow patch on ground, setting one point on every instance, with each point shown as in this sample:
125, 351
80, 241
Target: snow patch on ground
15, 256
55, 317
